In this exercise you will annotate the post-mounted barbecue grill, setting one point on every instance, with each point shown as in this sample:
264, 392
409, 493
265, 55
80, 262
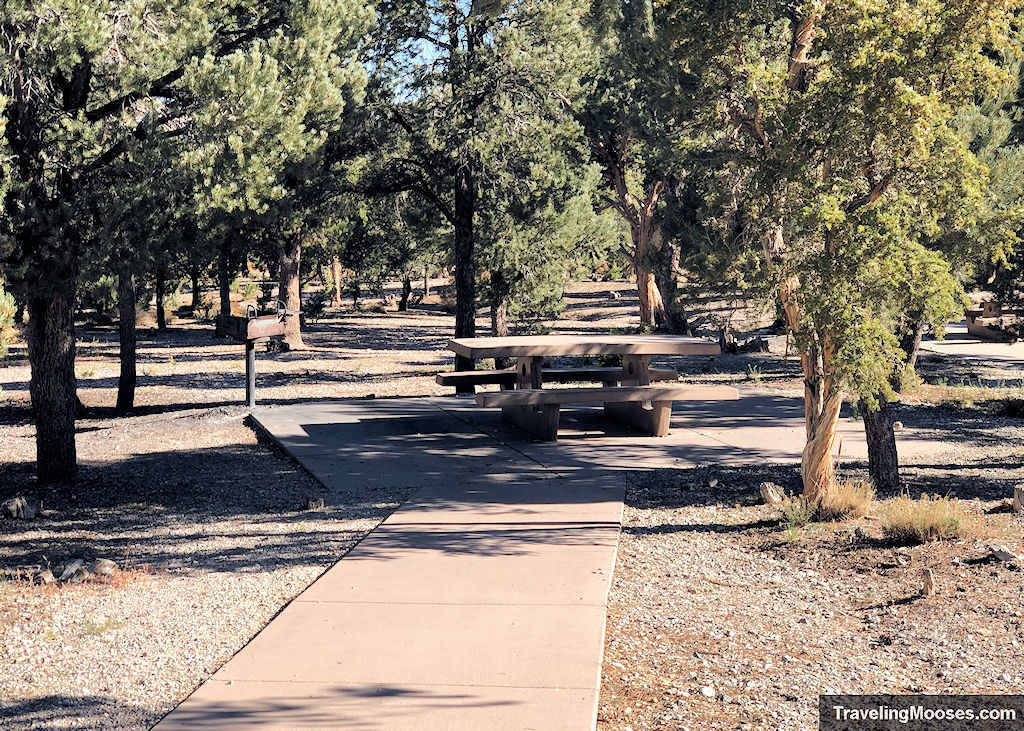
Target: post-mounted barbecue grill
250, 329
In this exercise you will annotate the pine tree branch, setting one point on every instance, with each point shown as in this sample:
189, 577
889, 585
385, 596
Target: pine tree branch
160, 85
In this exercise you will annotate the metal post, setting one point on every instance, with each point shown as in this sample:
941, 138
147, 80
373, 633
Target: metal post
250, 373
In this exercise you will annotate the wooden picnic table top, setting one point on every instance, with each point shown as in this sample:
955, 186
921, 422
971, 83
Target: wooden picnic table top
520, 346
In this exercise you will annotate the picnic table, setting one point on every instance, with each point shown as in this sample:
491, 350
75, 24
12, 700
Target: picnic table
634, 393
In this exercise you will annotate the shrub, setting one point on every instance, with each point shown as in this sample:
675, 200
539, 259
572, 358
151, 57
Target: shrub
316, 306
908, 521
847, 499
796, 511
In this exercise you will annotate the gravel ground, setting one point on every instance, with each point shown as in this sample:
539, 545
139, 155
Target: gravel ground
208, 527
718, 619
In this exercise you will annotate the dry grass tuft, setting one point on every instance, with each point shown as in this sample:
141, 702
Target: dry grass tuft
848, 499
906, 521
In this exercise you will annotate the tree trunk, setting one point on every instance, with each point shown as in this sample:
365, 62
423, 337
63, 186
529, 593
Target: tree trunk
645, 236
403, 303
668, 284
465, 262
822, 399
51, 352
126, 307
652, 309
336, 282
161, 286
499, 314
289, 256
197, 297
224, 277
883, 455
910, 344
883, 458
819, 471
426, 282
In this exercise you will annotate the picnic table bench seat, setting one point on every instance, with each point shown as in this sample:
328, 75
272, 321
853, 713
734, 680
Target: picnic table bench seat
647, 408
636, 394
507, 377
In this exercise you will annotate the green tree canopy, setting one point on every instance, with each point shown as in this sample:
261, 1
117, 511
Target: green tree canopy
835, 126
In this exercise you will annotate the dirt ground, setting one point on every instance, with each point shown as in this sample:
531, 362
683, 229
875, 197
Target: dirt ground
212, 530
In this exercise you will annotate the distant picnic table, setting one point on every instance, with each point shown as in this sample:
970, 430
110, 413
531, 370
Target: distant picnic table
634, 393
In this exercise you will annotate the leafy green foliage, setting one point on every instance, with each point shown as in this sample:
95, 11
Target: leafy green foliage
476, 107
838, 168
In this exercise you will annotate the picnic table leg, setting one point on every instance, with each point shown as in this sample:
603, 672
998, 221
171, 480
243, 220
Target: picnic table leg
462, 363
651, 418
542, 419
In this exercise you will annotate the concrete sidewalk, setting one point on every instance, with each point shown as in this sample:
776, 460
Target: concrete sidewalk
480, 604
961, 344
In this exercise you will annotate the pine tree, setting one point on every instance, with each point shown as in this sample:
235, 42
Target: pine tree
88, 84
462, 84
259, 151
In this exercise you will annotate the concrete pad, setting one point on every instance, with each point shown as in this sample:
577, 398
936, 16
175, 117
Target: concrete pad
480, 604
453, 569
526, 502
278, 706
771, 427
960, 344
427, 644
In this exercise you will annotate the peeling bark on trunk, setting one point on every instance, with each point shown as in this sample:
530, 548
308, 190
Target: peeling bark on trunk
161, 286
465, 262
822, 399
644, 232
51, 352
224, 277
403, 302
336, 282
822, 396
819, 471
652, 308
127, 302
289, 257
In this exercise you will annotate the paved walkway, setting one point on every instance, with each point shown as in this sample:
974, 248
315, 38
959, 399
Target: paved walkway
960, 343
480, 603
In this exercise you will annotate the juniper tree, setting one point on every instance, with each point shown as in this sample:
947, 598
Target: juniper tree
987, 242
537, 227
836, 124
638, 134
